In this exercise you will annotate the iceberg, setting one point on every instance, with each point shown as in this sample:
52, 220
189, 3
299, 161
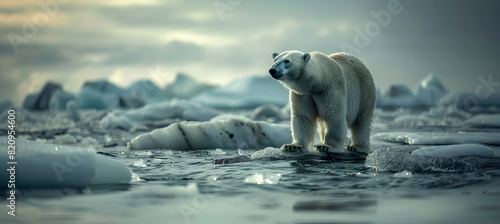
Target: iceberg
222, 134
158, 113
98, 95
59, 100
248, 92
147, 90
398, 95
430, 90
41, 100
5, 104
40, 165
184, 87
270, 113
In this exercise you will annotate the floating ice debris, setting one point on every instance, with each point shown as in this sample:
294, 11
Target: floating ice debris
271, 152
218, 152
403, 174
65, 139
259, 178
225, 134
139, 163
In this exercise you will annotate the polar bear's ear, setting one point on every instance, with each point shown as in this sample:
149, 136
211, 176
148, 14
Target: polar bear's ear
306, 57
275, 54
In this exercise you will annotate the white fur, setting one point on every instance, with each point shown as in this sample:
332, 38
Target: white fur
334, 92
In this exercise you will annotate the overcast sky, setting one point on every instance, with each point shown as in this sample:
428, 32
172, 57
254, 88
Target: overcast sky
219, 41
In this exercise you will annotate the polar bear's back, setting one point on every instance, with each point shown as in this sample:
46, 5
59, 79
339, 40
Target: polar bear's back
359, 85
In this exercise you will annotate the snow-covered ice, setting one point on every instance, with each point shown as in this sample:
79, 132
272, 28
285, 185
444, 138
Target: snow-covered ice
223, 134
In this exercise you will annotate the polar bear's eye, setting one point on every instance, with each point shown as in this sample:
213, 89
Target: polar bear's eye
287, 61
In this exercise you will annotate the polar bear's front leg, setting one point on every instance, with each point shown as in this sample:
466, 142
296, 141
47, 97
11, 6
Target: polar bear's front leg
303, 112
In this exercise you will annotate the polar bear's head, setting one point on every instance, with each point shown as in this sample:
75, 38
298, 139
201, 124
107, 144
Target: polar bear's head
288, 65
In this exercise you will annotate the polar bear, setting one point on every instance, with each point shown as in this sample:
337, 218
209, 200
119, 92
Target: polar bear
335, 91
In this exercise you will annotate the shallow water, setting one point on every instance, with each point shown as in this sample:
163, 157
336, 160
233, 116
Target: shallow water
267, 186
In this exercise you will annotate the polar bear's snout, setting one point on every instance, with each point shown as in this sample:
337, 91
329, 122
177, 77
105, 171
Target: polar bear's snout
274, 73
279, 69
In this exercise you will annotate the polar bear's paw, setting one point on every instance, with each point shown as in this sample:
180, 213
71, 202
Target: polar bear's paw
327, 148
358, 149
292, 148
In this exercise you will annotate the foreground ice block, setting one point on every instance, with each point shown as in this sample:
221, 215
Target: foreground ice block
41, 165
223, 134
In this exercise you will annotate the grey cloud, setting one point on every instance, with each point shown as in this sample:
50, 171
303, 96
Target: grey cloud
172, 53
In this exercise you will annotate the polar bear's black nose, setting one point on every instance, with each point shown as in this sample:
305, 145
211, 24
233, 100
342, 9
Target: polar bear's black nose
273, 71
